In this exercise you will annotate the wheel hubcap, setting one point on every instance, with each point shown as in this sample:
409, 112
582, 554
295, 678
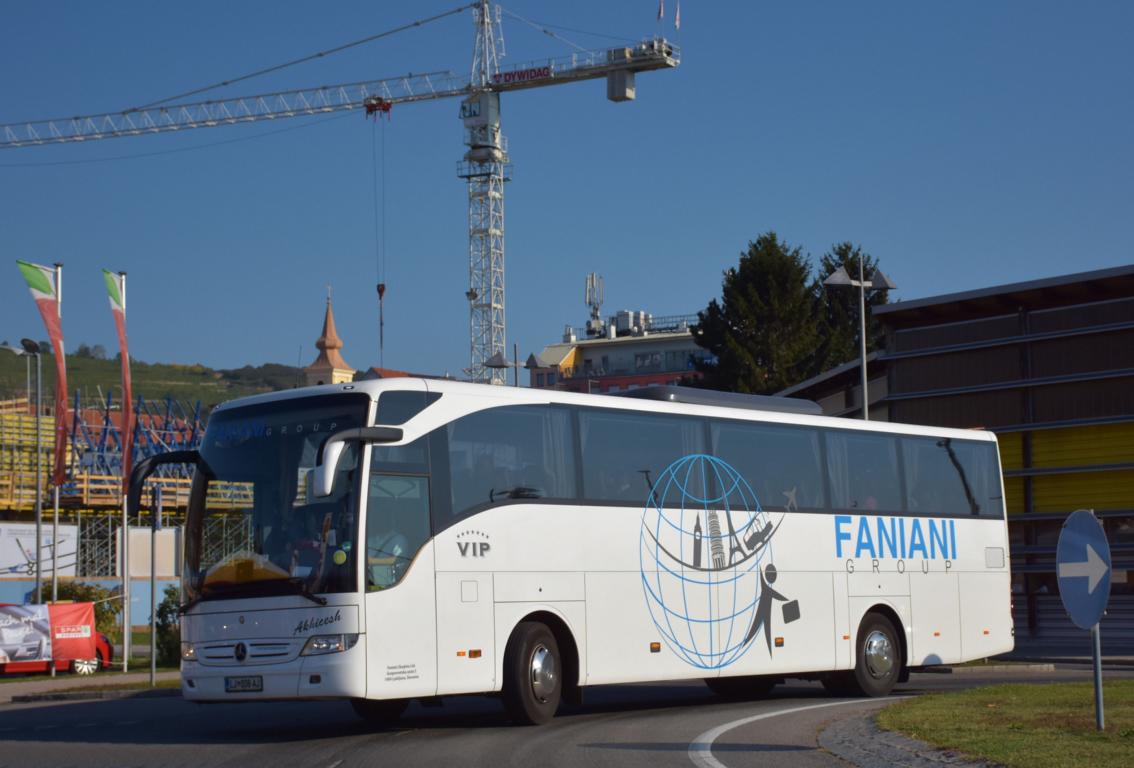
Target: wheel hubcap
542, 672
878, 652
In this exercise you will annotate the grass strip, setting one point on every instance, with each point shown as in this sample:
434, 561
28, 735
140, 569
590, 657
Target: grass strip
1038, 726
143, 686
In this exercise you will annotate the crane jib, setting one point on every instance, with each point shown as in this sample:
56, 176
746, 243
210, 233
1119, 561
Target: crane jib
648, 55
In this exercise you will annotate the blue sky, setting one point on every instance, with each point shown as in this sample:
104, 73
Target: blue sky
963, 144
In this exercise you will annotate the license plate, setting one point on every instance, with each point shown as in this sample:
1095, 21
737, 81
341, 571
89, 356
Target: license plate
243, 684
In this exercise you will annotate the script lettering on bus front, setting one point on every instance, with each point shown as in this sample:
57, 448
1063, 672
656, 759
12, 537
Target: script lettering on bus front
315, 622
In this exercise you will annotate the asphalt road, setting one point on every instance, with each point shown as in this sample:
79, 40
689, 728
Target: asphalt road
630, 726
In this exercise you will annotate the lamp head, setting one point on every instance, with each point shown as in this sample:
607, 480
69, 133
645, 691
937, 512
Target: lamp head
30, 347
880, 282
838, 277
497, 361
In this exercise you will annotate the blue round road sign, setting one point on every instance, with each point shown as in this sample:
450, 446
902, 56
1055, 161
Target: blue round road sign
1082, 562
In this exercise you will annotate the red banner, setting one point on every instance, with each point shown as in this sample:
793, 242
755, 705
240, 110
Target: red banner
72, 630
127, 402
116, 291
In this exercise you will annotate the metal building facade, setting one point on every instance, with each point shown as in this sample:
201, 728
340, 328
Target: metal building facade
1049, 366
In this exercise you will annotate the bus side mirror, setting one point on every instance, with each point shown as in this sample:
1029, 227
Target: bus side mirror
332, 451
144, 468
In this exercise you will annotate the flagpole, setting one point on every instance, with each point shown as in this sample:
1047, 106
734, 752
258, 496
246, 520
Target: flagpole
55, 494
126, 626
38, 479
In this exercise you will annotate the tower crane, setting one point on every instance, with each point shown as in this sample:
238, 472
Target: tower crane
485, 165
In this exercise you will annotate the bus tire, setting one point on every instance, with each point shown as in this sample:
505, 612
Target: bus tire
379, 712
743, 688
533, 682
878, 661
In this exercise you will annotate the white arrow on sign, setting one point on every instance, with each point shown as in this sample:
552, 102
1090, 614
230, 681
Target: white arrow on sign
1093, 569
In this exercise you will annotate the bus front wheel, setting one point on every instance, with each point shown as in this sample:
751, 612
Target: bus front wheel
878, 661
379, 712
533, 681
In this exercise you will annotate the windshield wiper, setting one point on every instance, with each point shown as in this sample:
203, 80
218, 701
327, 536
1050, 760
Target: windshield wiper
302, 590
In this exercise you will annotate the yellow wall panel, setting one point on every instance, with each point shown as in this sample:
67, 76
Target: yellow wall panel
1090, 490
1078, 446
1011, 450
1014, 495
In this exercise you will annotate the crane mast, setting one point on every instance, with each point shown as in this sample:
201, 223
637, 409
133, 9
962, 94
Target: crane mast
485, 168
485, 165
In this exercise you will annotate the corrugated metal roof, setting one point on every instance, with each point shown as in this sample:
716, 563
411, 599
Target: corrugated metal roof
1122, 279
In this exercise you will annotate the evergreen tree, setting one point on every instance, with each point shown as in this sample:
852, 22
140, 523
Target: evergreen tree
764, 330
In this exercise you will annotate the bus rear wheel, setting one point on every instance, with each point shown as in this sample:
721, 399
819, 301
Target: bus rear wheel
878, 661
742, 688
533, 682
379, 712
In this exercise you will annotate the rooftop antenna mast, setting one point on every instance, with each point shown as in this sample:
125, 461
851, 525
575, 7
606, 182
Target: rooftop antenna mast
485, 167
595, 296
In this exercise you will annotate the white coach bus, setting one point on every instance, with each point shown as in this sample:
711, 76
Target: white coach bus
393, 540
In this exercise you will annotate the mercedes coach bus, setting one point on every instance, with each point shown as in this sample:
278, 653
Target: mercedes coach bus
385, 541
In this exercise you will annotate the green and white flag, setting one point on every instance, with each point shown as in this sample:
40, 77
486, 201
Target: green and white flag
45, 286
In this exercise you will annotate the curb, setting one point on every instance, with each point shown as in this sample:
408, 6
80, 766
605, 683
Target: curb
133, 693
1042, 667
1121, 662
976, 670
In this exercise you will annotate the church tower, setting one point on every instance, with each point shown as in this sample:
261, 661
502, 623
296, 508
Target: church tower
329, 367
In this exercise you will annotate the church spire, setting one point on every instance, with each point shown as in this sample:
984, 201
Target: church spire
329, 367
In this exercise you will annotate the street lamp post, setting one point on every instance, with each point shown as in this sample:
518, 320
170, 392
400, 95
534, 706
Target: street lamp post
31, 349
877, 281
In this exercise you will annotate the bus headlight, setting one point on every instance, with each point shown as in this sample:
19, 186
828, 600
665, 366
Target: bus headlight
320, 644
188, 652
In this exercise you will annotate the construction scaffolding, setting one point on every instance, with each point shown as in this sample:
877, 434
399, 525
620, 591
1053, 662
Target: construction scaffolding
94, 476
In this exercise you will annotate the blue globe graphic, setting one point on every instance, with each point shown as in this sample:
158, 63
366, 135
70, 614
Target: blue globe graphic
703, 541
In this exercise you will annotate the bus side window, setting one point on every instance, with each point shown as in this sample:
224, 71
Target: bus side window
397, 525
625, 452
508, 454
782, 464
862, 469
951, 477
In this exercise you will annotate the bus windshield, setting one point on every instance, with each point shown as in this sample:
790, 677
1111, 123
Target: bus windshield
253, 527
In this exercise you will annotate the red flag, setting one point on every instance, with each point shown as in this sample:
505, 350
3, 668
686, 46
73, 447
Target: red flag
116, 289
44, 285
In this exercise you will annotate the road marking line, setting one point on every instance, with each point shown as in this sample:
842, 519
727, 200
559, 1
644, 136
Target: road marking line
701, 748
